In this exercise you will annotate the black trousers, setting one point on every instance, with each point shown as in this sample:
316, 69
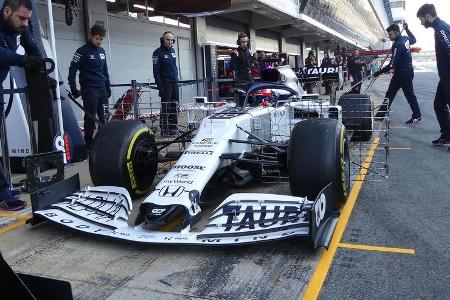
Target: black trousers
5, 192
441, 106
406, 84
94, 100
357, 77
169, 94
244, 76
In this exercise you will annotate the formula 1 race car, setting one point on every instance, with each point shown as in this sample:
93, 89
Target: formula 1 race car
272, 128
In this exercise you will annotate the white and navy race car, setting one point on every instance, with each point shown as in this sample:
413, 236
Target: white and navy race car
272, 127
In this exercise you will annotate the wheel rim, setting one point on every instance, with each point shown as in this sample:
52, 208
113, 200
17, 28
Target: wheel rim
144, 160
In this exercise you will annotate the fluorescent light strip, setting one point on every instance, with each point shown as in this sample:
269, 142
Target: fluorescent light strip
143, 7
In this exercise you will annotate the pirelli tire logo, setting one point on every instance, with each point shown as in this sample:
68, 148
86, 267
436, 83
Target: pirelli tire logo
171, 191
198, 152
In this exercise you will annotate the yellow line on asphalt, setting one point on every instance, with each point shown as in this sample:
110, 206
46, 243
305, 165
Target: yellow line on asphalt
315, 285
377, 248
13, 226
399, 148
2, 215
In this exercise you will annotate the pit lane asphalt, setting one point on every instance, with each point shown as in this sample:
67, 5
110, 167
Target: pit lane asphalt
410, 210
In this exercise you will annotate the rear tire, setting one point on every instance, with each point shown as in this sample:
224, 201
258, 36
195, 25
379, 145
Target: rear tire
357, 115
122, 155
318, 154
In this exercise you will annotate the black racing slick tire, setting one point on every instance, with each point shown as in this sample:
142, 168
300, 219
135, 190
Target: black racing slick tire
124, 154
318, 154
357, 115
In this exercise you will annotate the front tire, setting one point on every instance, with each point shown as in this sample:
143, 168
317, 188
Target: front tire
124, 154
319, 154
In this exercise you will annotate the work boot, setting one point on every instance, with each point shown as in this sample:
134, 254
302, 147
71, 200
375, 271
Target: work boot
441, 141
12, 204
414, 120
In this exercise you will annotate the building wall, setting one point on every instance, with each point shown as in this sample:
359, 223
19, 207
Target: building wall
355, 19
267, 40
381, 12
398, 10
129, 45
293, 46
223, 31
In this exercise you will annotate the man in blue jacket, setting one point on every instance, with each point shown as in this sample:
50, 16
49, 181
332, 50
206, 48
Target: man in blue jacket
165, 72
14, 31
90, 60
428, 17
401, 63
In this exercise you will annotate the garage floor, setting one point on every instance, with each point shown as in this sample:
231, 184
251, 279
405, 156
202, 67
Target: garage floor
99, 268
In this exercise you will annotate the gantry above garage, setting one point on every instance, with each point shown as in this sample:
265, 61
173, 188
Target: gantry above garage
355, 23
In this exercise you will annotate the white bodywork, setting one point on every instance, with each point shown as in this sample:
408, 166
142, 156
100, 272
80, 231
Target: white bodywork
201, 159
241, 218
107, 215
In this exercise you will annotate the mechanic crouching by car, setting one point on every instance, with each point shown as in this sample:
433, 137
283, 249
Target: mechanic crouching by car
90, 60
165, 72
16, 15
401, 63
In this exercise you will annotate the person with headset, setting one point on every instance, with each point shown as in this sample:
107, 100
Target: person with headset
90, 60
15, 32
165, 72
242, 60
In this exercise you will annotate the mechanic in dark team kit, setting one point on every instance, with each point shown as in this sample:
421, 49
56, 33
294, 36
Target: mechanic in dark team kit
310, 62
355, 68
242, 60
90, 60
14, 30
428, 18
401, 63
165, 72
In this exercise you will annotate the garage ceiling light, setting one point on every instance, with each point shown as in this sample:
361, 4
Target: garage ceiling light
142, 6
